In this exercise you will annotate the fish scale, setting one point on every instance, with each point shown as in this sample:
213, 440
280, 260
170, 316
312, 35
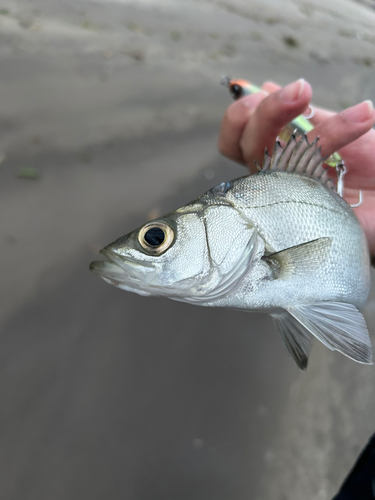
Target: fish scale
320, 213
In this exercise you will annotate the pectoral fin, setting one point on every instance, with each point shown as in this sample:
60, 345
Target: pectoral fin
295, 337
301, 259
340, 326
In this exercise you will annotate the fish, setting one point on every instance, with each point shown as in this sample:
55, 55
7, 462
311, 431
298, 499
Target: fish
298, 126
280, 241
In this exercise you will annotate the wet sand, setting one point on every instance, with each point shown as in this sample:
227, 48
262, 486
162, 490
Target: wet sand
109, 116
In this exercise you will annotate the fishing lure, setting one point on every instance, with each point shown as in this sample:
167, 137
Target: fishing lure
298, 126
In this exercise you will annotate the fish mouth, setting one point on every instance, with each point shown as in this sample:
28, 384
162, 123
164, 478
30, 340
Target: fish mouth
109, 271
111, 256
118, 271
112, 266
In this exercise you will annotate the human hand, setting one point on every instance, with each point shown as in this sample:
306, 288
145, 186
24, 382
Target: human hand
254, 122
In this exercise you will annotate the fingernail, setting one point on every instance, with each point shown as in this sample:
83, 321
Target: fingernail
359, 113
292, 92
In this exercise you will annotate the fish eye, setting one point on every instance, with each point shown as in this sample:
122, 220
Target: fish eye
235, 91
156, 237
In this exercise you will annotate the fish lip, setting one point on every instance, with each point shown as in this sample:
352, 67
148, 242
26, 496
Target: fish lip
101, 267
117, 271
95, 266
122, 261
109, 255
98, 266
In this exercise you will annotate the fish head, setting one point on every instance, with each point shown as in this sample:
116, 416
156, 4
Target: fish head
192, 254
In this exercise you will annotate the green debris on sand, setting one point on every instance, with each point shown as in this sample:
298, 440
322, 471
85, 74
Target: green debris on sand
28, 173
4, 12
135, 27
290, 41
175, 35
87, 25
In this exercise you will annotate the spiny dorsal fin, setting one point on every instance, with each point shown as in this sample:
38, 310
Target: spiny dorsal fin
300, 157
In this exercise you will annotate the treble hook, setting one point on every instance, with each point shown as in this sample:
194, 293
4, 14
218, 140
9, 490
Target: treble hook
341, 171
360, 199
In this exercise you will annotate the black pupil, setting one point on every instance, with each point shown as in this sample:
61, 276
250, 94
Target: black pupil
236, 91
154, 236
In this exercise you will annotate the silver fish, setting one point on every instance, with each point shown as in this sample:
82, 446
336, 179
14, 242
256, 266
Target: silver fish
280, 241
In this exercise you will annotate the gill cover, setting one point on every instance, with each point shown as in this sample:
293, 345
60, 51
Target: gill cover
231, 244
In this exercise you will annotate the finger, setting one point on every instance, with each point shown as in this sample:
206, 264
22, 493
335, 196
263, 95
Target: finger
272, 114
365, 214
233, 124
319, 113
270, 87
359, 159
343, 128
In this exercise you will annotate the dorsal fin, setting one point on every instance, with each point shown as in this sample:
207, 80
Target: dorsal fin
300, 157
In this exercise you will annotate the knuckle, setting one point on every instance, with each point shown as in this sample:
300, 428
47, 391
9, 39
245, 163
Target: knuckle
247, 152
341, 118
233, 117
222, 148
226, 146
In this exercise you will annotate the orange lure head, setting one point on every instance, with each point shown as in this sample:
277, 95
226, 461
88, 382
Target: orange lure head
237, 88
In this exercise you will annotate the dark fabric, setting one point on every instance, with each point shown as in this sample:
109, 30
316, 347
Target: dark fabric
360, 483
373, 261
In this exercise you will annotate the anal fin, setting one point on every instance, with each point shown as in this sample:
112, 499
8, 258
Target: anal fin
296, 338
340, 326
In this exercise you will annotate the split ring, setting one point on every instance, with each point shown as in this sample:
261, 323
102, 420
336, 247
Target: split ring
311, 114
